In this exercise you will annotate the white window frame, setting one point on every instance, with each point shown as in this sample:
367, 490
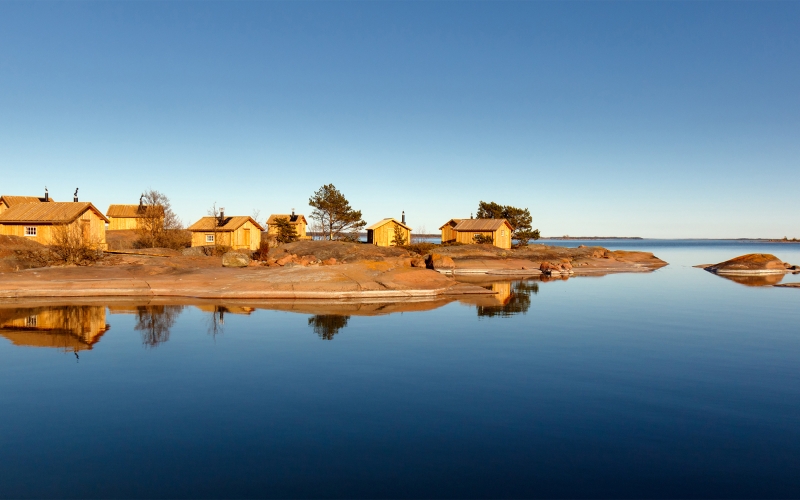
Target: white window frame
209, 238
502, 232
31, 231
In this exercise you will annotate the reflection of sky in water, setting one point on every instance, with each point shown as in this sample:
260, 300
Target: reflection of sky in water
674, 383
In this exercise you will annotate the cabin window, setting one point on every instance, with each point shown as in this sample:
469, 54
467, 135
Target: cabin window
30, 231
30, 321
502, 232
209, 238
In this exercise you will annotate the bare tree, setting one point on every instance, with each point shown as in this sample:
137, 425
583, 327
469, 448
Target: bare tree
72, 244
215, 214
158, 223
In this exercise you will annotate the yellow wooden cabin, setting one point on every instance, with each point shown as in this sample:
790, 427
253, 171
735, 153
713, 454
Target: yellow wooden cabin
71, 328
448, 236
298, 221
238, 232
382, 233
121, 217
41, 222
7, 201
499, 230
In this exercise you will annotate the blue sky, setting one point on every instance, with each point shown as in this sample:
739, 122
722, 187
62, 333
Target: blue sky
673, 119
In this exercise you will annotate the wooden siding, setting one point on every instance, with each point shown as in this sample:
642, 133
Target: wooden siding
246, 237
299, 227
383, 236
122, 223
501, 237
91, 226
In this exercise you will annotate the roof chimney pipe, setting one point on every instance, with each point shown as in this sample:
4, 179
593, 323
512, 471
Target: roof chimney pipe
404, 216
46, 194
75, 196
221, 221
293, 213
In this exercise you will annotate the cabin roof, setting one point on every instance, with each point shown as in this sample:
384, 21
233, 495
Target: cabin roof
229, 224
383, 222
479, 225
127, 211
48, 213
293, 219
10, 201
454, 221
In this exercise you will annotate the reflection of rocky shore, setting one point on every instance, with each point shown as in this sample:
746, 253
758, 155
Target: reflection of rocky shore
754, 269
71, 327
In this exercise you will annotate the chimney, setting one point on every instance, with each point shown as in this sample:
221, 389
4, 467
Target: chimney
221, 220
404, 216
470, 216
75, 196
46, 194
293, 213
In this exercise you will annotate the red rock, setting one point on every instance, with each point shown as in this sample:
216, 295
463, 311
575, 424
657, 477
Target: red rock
284, 260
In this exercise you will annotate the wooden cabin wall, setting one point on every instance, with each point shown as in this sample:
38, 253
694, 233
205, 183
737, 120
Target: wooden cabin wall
448, 235
123, 223
91, 226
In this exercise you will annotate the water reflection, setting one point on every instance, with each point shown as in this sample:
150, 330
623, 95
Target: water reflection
753, 280
512, 298
154, 323
327, 325
69, 328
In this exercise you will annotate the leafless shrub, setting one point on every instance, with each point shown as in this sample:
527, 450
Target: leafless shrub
159, 226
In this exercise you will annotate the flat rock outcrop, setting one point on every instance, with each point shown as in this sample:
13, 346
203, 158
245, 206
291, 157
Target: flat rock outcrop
750, 264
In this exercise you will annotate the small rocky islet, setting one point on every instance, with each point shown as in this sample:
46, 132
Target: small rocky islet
754, 269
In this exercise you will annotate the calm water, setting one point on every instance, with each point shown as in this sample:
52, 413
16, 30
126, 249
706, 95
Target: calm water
671, 384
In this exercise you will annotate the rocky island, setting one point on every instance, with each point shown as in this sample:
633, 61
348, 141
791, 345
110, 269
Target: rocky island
306, 270
754, 269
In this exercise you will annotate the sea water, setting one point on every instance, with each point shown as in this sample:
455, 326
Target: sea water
674, 383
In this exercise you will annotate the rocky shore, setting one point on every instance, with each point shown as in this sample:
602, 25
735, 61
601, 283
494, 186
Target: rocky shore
315, 270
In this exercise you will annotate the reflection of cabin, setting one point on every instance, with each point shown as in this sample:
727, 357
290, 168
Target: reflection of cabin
448, 236
41, 222
238, 232
499, 230
298, 221
7, 202
127, 216
72, 328
382, 232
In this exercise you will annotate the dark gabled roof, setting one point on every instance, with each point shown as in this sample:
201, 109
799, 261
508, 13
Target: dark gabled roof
454, 221
127, 211
229, 223
293, 219
10, 201
479, 225
386, 221
47, 213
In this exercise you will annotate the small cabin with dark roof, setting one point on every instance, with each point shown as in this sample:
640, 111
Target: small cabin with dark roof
40, 221
382, 233
499, 230
238, 232
298, 221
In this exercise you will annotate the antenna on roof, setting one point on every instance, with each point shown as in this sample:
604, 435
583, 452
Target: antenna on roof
75, 196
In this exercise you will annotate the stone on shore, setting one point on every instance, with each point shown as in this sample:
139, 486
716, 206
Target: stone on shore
235, 259
439, 262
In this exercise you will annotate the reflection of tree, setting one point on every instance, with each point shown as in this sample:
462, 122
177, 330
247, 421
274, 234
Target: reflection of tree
327, 325
155, 322
518, 302
216, 323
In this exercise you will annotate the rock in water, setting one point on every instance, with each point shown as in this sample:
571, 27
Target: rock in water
235, 259
752, 263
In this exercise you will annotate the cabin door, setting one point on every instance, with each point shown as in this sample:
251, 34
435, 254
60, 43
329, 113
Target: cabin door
247, 237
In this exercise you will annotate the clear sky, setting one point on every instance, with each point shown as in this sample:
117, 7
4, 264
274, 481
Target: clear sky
673, 119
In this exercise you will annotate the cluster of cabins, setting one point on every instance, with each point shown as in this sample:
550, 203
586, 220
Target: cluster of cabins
36, 218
